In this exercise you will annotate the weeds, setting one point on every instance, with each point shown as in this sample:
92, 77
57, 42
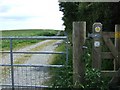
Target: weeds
64, 77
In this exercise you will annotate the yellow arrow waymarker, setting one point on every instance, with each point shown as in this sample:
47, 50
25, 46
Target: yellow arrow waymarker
117, 34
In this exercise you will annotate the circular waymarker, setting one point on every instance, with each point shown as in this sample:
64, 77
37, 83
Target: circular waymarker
97, 29
96, 44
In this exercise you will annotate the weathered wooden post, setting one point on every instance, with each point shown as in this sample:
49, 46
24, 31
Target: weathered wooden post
96, 50
117, 45
79, 36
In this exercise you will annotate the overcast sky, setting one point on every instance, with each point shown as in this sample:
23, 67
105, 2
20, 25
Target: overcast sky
30, 14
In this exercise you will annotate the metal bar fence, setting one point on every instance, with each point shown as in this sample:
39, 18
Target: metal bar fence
14, 67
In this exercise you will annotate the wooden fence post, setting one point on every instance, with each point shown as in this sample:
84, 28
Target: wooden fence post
96, 50
79, 36
117, 45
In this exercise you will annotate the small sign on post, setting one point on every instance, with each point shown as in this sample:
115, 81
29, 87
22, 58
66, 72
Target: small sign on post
96, 50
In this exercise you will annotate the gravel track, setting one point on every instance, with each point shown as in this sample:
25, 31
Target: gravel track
32, 75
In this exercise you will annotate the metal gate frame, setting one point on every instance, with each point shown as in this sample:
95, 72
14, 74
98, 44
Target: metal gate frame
12, 65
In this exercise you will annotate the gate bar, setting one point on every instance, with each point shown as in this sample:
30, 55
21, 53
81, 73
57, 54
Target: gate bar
36, 37
67, 51
30, 86
32, 65
12, 67
32, 52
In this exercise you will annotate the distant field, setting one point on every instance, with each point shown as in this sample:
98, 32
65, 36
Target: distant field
21, 43
31, 32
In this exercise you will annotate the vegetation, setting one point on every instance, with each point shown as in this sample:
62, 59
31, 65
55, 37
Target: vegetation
106, 13
30, 32
63, 77
22, 43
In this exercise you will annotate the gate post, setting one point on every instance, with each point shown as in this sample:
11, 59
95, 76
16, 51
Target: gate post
79, 36
116, 78
96, 50
117, 45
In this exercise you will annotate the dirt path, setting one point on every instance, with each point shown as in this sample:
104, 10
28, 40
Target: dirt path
32, 75
6, 58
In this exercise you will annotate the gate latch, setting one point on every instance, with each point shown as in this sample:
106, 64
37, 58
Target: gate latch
84, 47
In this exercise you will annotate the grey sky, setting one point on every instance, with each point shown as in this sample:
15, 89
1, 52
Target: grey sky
30, 14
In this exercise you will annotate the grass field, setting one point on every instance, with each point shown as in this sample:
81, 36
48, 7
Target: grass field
31, 32
21, 43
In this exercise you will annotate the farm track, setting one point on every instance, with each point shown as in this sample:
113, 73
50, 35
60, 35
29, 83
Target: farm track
31, 75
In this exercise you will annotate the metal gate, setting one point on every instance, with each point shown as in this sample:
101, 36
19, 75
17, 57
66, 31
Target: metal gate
28, 75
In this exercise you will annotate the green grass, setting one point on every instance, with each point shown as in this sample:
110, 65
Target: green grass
62, 77
31, 32
59, 59
22, 43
